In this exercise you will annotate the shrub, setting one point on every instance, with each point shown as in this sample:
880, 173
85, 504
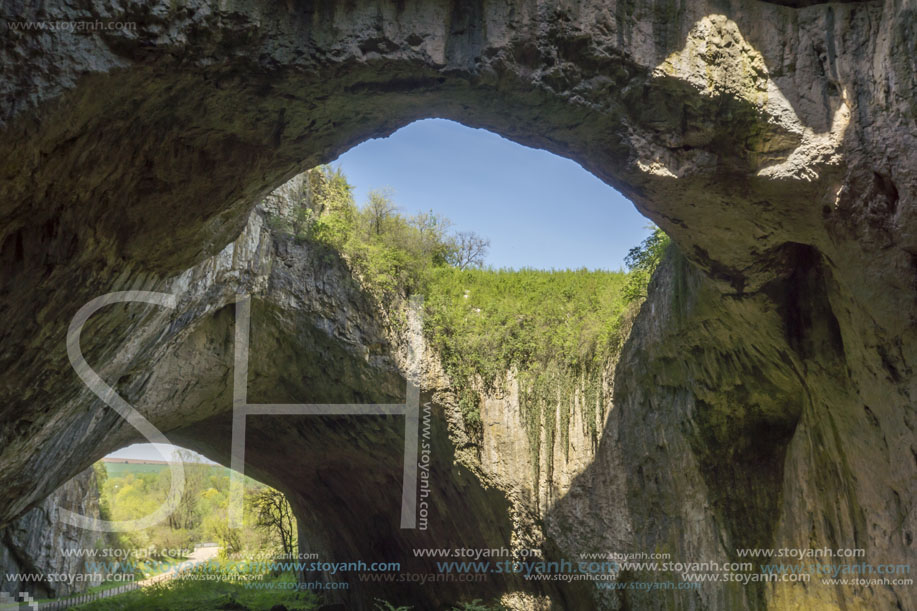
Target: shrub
557, 330
642, 261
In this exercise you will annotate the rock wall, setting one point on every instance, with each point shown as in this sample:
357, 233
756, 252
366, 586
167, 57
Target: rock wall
534, 478
39, 543
771, 380
732, 430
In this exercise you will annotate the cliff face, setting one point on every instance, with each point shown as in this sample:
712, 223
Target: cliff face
37, 542
765, 396
690, 456
545, 472
315, 338
732, 429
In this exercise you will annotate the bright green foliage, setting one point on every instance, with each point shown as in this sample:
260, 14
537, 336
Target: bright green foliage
556, 329
101, 476
390, 253
209, 593
132, 490
275, 516
642, 261
331, 204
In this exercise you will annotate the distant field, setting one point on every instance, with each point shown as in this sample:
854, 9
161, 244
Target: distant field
117, 469
120, 469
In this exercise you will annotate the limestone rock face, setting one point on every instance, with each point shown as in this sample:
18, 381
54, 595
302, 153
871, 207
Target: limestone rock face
735, 428
765, 397
315, 338
543, 474
37, 542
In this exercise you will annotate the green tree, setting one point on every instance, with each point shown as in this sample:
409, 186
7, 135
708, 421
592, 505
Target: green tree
379, 211
230, 538
187, 514
468, 250
101, 476
642, 261
274, 515
432, 241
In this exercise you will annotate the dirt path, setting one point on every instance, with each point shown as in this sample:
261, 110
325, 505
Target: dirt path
199, 555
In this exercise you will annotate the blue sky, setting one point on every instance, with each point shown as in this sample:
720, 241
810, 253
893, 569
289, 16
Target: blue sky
149, 451
538, 210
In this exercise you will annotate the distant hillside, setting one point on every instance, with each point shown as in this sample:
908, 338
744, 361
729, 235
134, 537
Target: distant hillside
118, 467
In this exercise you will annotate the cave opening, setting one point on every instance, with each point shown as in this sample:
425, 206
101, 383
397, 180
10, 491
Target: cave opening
133, 481
297, 358
133, 160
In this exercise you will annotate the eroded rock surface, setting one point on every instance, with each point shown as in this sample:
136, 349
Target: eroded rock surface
38, 543
768, 393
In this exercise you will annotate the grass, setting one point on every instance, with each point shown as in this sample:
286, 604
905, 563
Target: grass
107, 585
209, 593
557, 331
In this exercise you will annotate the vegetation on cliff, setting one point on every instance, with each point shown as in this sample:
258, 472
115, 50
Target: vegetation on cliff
556, 331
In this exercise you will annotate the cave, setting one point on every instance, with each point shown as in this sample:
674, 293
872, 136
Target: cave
767, 401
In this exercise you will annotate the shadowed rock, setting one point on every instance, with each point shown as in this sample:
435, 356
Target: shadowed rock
765, 395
